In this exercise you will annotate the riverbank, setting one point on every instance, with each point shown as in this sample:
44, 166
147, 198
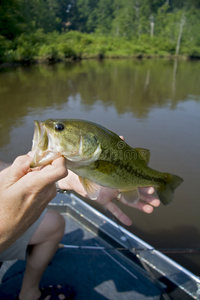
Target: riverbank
39, 47
52, 61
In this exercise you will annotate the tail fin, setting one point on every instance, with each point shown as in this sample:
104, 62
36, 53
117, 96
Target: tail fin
166, 191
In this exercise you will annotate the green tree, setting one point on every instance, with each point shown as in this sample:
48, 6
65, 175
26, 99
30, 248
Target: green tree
152, 26
104, 13
125, 16
87, 15
11, 19
43, 14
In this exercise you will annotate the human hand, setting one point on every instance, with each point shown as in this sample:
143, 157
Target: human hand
147, 201
24, 194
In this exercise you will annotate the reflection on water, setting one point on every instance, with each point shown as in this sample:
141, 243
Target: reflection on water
154, 104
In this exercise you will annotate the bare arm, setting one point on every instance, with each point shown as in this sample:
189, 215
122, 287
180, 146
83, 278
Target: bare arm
24, 195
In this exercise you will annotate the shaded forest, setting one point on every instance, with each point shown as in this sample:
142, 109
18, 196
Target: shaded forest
75, 29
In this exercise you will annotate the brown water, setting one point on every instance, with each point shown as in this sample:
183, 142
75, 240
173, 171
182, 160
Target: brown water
154, 104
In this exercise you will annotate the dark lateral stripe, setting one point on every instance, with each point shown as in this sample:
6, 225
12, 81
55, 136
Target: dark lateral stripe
128, 167
138, 173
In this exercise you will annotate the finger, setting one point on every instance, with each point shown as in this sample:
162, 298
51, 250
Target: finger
144, 207
150, 199
147, 196
31, 154
106, 195
146, 204
147, 190
140, 205
72, 182
114, 209
18, 169
54, 172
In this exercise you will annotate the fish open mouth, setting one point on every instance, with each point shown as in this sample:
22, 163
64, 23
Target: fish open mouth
43, 145
38, 135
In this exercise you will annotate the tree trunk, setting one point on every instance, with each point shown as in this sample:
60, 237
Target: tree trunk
180, 35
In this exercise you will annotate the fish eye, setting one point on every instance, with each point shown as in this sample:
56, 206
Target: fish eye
59, 127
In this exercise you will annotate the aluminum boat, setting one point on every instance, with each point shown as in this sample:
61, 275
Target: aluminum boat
101, 260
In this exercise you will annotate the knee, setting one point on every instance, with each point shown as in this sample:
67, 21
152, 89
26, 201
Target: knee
58, 224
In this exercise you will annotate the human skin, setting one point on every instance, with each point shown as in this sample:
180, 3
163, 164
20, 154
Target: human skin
24, 194
147, 202
28, 192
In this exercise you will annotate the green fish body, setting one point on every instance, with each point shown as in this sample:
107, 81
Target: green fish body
100, 158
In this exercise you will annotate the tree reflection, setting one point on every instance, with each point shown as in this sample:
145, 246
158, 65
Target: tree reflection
130, 86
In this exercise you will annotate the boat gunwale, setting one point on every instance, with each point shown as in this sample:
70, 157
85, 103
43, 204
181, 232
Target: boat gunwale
164, 268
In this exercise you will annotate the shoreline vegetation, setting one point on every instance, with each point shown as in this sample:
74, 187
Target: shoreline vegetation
50, 31
41, 48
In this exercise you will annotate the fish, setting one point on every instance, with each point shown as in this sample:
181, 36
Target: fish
100, 158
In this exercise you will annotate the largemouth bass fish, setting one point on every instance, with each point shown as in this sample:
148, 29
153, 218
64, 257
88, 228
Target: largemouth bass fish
100, 158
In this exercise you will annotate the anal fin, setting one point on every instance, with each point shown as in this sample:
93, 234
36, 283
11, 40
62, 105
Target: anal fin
131, 196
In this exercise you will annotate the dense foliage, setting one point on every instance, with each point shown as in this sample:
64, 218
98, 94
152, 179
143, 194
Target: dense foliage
76, 28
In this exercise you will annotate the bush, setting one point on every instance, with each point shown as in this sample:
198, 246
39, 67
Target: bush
68, 52
26, 47
4, 47
25, 53
75, 45
75, 36
194, 53
101, 52
49, 53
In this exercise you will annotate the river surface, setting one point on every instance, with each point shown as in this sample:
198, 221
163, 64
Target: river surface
153, 104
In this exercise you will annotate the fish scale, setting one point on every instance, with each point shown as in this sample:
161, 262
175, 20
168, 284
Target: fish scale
100, 158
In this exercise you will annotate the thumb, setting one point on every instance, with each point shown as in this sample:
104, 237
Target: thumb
18, 169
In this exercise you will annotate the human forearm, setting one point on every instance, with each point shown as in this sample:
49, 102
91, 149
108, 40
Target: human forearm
24, 195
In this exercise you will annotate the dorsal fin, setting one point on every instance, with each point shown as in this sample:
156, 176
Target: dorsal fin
143, 155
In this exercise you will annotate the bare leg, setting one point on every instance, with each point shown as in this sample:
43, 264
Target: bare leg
44, 245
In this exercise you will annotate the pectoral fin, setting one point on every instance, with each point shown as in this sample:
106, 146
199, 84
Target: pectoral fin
131, 196
91, 188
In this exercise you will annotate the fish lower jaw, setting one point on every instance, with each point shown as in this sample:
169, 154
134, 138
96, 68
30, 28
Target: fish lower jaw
44, 159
